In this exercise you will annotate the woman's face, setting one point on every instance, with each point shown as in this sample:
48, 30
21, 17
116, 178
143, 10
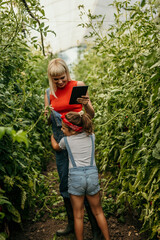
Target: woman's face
60, 81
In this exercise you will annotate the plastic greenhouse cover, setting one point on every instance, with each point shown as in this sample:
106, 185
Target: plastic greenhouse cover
64, 16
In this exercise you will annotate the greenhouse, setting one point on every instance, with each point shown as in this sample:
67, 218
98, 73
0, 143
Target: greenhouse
87, 169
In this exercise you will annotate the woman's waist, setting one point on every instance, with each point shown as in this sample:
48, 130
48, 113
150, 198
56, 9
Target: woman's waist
66, 109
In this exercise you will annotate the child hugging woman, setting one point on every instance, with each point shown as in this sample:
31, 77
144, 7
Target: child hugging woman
79, 141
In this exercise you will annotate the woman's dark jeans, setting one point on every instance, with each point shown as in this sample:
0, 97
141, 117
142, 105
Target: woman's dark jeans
62, 156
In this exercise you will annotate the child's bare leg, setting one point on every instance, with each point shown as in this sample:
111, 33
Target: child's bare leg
97, 210
78, 211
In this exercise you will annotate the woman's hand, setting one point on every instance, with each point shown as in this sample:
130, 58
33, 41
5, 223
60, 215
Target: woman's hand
47, 109
84, 100
47, 113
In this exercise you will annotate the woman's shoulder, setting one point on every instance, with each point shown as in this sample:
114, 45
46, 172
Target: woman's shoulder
80, 83
75, 83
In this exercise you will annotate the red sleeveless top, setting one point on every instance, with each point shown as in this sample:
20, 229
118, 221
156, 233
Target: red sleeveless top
61, 103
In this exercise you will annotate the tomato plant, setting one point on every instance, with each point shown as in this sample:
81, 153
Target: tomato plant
24, 151
123, 76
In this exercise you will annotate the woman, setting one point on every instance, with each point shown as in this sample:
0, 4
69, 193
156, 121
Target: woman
57, 97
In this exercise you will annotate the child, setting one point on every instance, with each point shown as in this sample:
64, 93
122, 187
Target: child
83, 174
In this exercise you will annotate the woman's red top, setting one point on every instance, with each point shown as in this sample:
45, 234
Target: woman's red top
61, 103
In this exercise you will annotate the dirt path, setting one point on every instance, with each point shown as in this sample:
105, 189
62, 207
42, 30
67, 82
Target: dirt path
46, 227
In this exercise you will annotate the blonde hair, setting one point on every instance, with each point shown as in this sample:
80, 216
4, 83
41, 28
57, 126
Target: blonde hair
81, 120
57, 67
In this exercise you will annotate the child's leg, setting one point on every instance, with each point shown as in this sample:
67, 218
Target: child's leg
78, 211
97, 210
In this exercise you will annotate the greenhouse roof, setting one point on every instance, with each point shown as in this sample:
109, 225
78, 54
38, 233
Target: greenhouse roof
64, 17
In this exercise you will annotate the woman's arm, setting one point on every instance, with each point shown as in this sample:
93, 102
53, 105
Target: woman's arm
85, 101
54, 144
46, 104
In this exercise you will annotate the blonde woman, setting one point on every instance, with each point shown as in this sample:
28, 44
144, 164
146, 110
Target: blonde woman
57, 98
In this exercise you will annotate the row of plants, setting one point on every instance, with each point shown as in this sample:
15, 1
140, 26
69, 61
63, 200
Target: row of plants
123, 75
24, 135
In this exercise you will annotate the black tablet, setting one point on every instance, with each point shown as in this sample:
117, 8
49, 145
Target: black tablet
77, 92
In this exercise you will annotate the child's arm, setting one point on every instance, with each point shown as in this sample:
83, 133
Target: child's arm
54, 144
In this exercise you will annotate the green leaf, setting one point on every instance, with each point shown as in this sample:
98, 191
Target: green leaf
46, 28
158, 145
4, 201
156, 151
54, 237
42, 25
143, 2
2, 215
20, 136
15, 214
2, 132
145, 195
9, 130
131, 188
152, 175
23, 199
157, 64
3, 236
2, 168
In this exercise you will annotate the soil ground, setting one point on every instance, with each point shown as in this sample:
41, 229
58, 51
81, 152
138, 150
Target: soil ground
46, 227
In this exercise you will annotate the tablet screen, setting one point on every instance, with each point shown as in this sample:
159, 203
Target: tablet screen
77, 92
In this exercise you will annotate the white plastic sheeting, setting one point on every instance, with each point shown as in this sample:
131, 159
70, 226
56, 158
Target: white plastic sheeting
64, 17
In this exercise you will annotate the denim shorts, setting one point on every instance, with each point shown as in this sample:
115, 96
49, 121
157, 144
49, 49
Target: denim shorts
83, 181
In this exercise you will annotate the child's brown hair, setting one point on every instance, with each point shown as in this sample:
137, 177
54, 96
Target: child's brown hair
82, 120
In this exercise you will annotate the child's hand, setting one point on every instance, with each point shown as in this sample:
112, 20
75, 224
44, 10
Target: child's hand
52, 137
54, 144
